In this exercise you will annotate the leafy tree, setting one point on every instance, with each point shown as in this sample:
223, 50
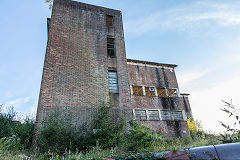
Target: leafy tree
49, 3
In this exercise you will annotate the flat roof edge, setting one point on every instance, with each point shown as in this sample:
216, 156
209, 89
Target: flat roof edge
152, 63
81, 4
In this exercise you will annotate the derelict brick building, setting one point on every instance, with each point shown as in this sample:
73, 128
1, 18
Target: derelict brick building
86, 65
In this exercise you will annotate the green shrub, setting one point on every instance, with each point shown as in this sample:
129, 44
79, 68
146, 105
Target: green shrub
10, 144
139, 137
110, 128
7, 122
57, 133
10, 127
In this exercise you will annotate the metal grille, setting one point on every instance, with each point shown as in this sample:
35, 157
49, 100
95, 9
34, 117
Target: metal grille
110, 47
153, 115
177, 115
112, 82
166, 115
140, 114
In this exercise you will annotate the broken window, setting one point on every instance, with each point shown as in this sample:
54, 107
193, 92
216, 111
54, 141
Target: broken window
161, 92
172, 92
112, 82
109, 20
166, 115
153, 115
150, 91
137, 90
140, 115
110, 47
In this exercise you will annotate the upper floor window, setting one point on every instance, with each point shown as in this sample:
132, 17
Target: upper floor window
110, 47
112, 82
137, 90
161, 92
150, 91
172, 93
109, 20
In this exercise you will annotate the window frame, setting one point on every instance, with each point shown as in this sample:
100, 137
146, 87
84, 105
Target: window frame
117, 91
140, 119
150, 93
138, 91
109, 20
111, 47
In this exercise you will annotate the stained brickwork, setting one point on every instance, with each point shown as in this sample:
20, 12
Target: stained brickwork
75, 74
158, 76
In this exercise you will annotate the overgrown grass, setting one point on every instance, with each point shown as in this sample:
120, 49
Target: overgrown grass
59, 138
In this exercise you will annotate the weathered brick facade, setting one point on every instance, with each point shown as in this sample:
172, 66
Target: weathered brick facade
77, 65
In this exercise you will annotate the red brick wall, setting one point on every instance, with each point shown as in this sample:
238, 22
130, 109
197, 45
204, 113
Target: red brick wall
159, 77
75, 73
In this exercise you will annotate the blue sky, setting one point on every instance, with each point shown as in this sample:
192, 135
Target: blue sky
201, 36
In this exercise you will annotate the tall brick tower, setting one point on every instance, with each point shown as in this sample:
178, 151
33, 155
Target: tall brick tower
85, 60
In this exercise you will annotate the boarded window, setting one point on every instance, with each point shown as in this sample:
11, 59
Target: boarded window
161, 92
177, 115
172, 92
150, 91
110, 47
153, 115
166, 115
109, 20
140, 115
112, 82
137, 90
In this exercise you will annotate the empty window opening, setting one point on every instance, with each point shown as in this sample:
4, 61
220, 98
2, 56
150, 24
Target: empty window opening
110, 47
172, 92
137, 90
161, 92
112, 82
140, 114
153, 115
150, 91
109, 20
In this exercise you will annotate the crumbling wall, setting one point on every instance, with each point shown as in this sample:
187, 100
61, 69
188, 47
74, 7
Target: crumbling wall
148, 75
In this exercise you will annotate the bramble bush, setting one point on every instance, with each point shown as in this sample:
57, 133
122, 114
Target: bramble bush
14, 133
58, 132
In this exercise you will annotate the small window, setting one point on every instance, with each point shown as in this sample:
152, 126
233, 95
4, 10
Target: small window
109, 21
177, 115
137, 90
166, 115
140, 114
150, 91
112, 82
161, 92
110, 47
172, 92
153, 115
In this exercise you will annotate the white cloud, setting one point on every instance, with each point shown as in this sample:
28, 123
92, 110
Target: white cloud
15, 102
188, 17
27, 99
190, 76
